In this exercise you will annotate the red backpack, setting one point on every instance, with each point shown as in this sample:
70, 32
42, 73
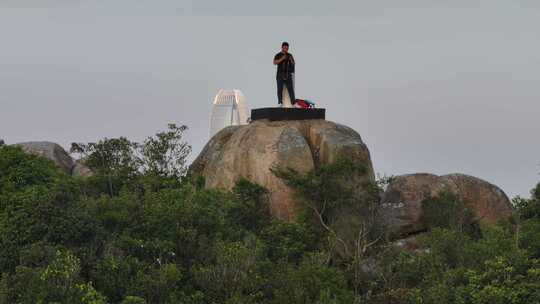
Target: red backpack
302, 104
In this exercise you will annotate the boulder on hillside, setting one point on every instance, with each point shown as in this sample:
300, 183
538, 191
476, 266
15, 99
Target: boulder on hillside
51, 151
402, 200
250, 152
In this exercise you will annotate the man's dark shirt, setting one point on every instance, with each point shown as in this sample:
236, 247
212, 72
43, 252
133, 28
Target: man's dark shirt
286, 67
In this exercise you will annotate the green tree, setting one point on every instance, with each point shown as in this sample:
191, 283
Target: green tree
57, 282
42, 208
312, 281
289, 241
232, 272
342, 201
165, 154
346, 205
159, 160
251, 207
113, 161
133, 300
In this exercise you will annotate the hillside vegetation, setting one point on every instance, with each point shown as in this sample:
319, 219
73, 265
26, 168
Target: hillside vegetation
142, 230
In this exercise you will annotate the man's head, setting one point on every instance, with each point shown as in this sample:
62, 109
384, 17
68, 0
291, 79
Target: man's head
285, 47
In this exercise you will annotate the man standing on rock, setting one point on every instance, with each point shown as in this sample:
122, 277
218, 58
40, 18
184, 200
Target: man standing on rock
285, 72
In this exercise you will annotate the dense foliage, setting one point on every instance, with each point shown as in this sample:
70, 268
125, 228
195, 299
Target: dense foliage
141, 231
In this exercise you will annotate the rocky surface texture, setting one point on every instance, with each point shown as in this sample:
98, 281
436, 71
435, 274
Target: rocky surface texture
51, 151
250, 152
402, 201
58, 155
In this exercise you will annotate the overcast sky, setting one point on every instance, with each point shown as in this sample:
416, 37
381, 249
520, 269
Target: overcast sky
431, 86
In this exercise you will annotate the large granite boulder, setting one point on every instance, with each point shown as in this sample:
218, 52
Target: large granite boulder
51, 151
250, 152
402, 200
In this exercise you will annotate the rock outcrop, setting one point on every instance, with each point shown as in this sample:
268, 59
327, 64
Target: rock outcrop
250, 152
402, 201
51, 151
58, 155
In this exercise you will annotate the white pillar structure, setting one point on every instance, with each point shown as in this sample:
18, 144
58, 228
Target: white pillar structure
229, 109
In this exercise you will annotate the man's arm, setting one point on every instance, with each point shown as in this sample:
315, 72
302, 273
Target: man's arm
280, 59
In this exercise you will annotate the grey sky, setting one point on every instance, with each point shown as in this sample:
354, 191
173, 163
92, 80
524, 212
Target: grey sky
432, 86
